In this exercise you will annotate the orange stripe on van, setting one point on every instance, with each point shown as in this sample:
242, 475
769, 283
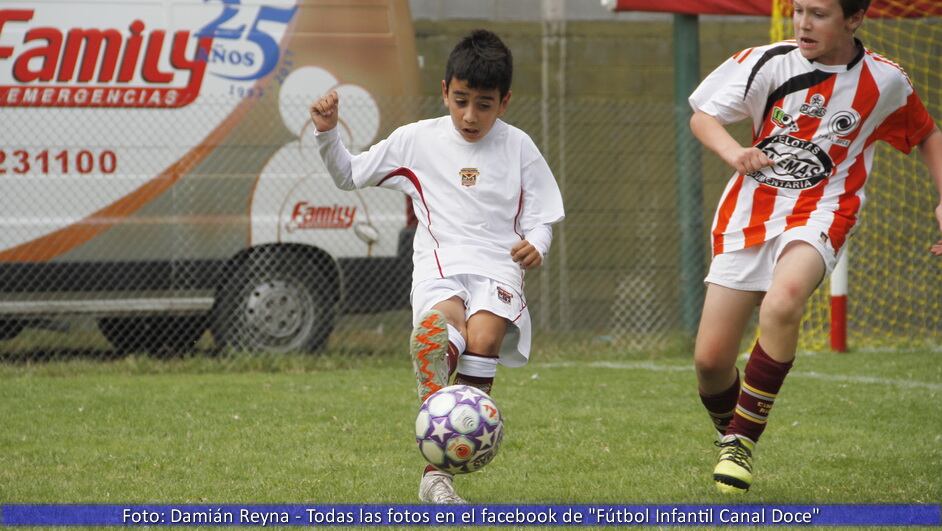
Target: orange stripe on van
57, 243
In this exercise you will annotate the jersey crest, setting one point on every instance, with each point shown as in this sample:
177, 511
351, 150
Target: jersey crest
469, 176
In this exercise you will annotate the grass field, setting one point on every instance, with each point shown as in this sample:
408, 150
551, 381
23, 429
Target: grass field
856, 428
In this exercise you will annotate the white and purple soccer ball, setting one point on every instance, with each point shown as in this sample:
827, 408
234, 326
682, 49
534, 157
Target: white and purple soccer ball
459, 429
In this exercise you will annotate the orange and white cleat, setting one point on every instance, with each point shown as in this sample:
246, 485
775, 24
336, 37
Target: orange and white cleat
429, 347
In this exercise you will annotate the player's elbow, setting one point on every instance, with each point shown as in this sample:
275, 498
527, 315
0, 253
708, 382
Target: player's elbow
345, 185
698, 121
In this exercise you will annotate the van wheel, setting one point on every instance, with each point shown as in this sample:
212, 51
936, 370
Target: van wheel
10, 329
275, 303
161, 337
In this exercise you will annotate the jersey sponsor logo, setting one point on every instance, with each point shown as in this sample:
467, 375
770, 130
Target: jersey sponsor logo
504, 295
841, 124
783, 120
308, 216
815, 107
844, 123
797, 164
469, 176
93, 67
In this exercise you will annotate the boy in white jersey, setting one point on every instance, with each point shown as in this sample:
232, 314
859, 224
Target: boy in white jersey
485, 200
817, 105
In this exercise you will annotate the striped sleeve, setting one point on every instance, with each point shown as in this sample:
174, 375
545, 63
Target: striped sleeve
734, 91
908, 126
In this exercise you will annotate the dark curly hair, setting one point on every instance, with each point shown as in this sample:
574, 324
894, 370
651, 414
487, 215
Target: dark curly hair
483, 61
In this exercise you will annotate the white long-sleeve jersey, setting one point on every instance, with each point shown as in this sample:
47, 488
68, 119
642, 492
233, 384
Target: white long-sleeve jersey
473, 201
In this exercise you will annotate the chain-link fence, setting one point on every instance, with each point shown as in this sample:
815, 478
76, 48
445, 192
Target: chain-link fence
237, 243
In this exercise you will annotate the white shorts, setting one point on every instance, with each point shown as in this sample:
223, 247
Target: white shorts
750, 269
481, 293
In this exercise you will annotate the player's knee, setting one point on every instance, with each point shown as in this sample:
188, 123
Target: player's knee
711, 363
714, 357
783, 306
484, 342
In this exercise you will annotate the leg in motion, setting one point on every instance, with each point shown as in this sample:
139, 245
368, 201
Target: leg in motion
478, 365
797, 273
436, 343
726, 313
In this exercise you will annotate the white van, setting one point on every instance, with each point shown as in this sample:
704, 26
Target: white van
157, 169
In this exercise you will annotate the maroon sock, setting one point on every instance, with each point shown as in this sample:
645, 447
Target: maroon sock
721, 406
761, 383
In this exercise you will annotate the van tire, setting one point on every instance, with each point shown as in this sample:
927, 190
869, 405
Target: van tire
275, 302
10, 329
159, 336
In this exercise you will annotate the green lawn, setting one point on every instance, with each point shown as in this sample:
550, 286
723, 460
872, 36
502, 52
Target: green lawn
855, 428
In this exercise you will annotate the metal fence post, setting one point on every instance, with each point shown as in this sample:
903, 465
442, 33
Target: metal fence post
689, 179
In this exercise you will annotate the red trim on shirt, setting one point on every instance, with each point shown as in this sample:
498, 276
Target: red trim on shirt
438, 263
409, 174
517, 215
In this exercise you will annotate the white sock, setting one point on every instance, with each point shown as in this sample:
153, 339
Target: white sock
456, 339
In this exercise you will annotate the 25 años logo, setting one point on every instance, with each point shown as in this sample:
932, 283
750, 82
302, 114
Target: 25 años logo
255, 60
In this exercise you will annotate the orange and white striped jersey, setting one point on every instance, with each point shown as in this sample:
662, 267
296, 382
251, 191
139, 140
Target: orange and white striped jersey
818, 124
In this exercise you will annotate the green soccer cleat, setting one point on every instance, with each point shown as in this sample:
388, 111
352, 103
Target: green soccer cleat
733, 472
429, 347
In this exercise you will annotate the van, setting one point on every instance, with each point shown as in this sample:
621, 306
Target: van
158, 170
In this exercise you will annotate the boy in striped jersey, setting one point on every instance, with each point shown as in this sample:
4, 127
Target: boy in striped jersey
817, 105
485, 200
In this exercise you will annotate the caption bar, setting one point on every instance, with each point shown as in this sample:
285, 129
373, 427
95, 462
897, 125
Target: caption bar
470, 515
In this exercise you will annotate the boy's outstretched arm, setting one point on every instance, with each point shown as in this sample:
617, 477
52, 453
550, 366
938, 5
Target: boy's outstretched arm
324, 111
372, 167
931, 150
324, 114
711, 133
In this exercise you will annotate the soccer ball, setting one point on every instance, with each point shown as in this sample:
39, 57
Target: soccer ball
459, 429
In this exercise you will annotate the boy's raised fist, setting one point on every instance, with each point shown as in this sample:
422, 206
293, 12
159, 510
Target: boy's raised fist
324, 111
